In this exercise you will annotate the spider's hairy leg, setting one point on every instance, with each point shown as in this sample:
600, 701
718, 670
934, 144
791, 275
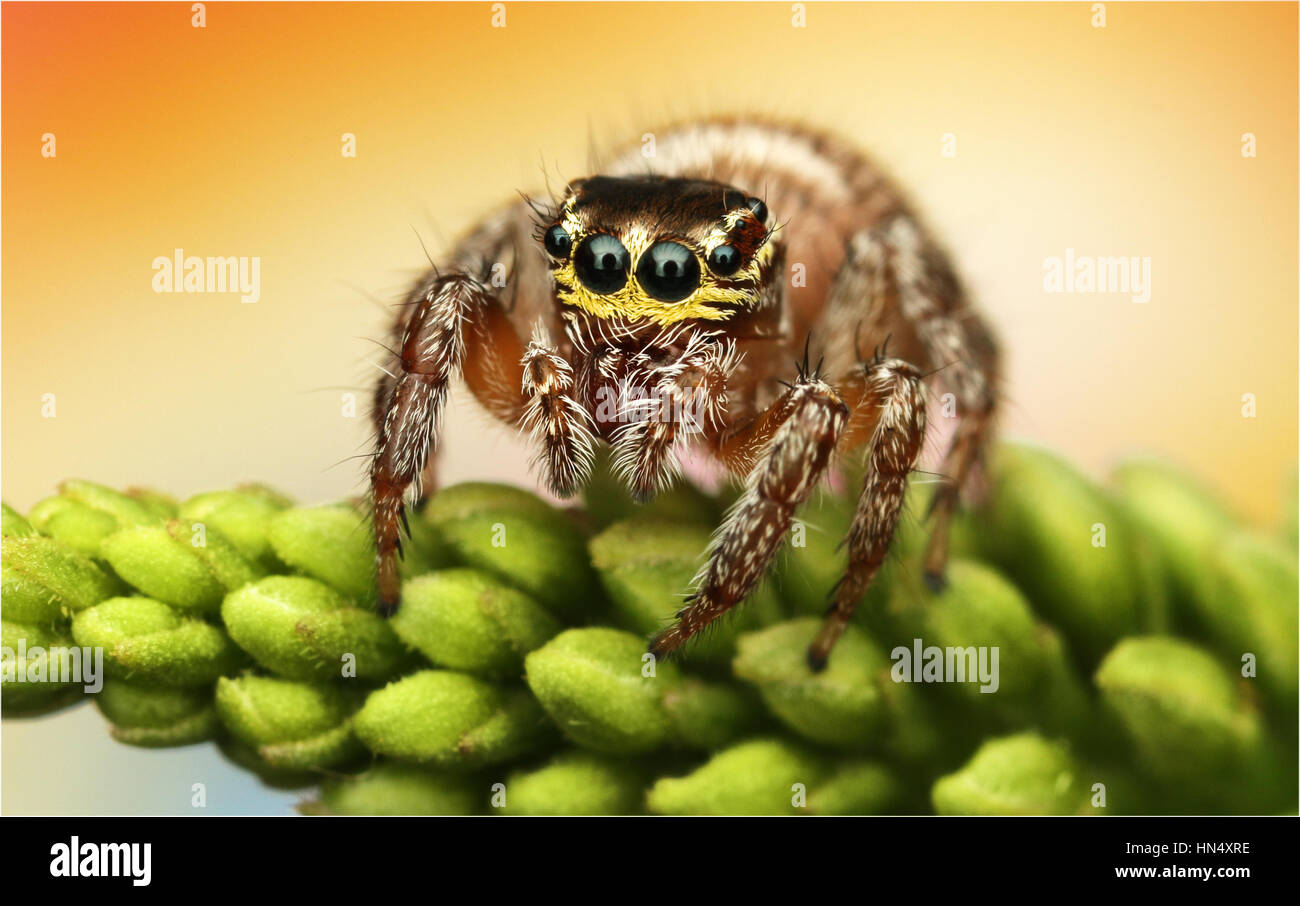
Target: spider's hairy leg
789, 466
891, 401
687, 397
449, 312
554, 417
960, 346
901, 281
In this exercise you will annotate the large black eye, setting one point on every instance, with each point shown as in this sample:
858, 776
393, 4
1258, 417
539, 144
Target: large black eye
557, 242
760, 210
668, 271
724, 260
602, 263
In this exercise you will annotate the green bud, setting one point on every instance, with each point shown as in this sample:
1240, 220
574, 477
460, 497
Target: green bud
1045, 525
1181, 709
80, 527
30, 662
708, 715
842, 706
158, 717
393, 788
453, 720
302, 629
603, 690
760, 777
334, 544
1023, 774
146, 641
85, 513
160, 505
243, 516
42, 580
468, 620
291, 725
855, 787
520, 540
647, 566
606, 500
979, 609
1250, 609
245, 756
1179, 515
182, 564
14, 524
577, 783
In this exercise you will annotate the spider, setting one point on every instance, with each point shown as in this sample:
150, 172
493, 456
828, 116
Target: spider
717, 294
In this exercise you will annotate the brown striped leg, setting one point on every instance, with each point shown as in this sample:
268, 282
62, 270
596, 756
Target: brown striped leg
788, 468
892, 403
450, 314
556, 421
685, 397
899, 271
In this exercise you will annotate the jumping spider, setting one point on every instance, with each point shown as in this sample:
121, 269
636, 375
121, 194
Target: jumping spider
668, 285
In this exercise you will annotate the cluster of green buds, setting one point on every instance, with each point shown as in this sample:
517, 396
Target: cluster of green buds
1098, 649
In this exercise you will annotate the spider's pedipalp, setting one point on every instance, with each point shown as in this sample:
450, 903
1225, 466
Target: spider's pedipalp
686, 398
560, 426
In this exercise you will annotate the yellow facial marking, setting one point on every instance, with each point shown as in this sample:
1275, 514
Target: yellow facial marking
711, 301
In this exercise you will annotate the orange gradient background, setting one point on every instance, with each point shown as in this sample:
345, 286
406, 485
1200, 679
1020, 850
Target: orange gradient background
225, 140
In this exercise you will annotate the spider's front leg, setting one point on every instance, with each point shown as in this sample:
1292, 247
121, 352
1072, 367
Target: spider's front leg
890, 410
453, 314
809, 419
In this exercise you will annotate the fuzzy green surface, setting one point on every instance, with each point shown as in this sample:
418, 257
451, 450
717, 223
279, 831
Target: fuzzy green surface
182, 564
392, 788
302, 629
333, 544
577, 783
158, 717
466, 619
647, 564
452, 719
243, 515
290, 724
1054, 553
147, 641
44, 581
519, 539
1023, 774
603, 691
759, 777
25, 685
1180, 706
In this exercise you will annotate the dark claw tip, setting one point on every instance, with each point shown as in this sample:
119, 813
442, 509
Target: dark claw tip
388, 608
936, 582
816, 662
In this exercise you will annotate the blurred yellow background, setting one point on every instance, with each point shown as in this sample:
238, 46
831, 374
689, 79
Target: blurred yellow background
226, 140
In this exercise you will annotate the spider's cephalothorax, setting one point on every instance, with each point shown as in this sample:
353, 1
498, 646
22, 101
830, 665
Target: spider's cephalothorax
649, 308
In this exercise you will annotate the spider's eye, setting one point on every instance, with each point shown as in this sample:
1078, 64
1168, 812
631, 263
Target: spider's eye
760, 210
602, 263
557, 242
724, 260
669, 271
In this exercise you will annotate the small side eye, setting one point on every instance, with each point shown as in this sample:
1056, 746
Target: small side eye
557, 242
724, 260
760, 210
